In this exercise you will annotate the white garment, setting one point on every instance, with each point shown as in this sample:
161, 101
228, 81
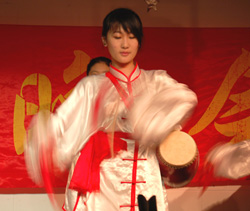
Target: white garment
231, 161
160, 105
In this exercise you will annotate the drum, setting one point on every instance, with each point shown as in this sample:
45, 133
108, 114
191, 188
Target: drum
178, 158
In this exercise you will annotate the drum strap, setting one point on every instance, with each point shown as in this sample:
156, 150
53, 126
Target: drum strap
123, 94
86, 176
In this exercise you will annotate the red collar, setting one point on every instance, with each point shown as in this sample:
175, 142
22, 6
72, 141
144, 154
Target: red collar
119, 75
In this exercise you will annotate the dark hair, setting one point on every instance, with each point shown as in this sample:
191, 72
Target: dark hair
128, 19
97, 60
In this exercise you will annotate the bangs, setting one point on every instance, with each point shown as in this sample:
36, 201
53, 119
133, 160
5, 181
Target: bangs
116, 27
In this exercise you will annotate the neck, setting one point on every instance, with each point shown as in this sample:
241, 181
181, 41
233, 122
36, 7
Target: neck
125, 68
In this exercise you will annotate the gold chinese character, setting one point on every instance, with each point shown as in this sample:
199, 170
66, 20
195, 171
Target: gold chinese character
239, 129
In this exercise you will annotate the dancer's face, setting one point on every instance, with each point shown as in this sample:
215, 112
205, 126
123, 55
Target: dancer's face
122, 47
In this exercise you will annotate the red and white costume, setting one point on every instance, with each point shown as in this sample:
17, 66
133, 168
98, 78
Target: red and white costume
157, 105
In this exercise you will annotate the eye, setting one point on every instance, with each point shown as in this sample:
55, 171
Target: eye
131, 36
93, 73
117, 35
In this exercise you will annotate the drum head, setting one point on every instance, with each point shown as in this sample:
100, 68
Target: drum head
178, 149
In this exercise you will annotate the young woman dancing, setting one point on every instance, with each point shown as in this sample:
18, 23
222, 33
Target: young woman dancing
107, 130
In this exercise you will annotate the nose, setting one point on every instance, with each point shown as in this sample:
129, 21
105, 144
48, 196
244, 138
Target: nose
125, 42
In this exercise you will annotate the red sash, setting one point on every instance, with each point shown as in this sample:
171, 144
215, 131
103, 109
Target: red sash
86, 176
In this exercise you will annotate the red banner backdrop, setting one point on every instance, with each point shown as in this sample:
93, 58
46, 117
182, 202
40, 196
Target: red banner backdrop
39, 65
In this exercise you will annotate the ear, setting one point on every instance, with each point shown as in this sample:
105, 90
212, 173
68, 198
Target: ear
104, 41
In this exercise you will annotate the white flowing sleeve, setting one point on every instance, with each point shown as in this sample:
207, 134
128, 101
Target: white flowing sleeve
163, 107
65, 132
231, 161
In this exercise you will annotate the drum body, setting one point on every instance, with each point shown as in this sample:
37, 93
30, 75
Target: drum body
178, 159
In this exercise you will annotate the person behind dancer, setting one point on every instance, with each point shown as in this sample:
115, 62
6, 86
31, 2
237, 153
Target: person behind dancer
98, 65
109, 126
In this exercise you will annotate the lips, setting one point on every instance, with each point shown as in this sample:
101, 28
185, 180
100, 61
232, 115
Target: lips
124, 53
